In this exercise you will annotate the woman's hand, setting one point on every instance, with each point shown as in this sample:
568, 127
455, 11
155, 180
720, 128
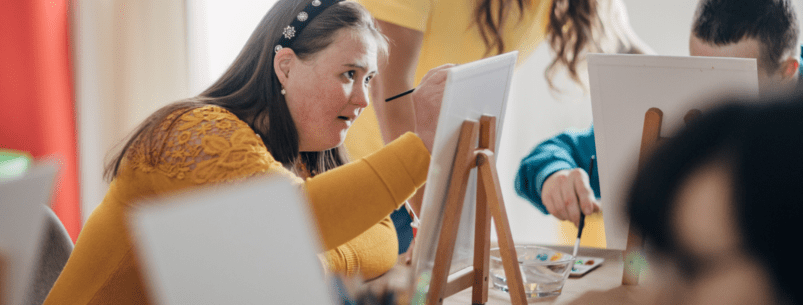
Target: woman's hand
566, 192
427, 99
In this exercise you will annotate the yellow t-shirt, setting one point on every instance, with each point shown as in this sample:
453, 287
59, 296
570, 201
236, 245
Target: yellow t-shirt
209, 145
450, 36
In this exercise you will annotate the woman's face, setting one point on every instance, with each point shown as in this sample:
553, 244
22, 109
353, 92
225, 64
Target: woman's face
326, 93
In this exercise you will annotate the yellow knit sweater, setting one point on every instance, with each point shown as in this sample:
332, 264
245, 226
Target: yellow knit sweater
211, 145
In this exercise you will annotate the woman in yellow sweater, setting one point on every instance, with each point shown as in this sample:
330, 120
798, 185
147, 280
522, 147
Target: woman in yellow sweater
283, 107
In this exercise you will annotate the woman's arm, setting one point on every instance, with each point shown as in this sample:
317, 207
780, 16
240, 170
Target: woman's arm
396, 75
565, 152
210, 145
348, 200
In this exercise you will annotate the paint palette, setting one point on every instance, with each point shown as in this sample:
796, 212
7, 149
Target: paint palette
584, 264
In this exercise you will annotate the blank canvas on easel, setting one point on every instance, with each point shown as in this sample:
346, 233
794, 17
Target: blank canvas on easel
472, 90
624, 87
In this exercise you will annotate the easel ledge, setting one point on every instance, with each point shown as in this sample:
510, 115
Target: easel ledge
489, 204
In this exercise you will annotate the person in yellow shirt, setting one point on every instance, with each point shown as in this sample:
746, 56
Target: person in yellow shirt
282, 108
424, 34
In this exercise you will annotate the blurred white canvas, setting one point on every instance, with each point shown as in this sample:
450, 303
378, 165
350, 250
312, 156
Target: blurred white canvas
624, 87
21, 227
251, 243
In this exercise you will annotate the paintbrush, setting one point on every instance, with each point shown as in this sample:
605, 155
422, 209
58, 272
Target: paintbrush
582, 215
399, 95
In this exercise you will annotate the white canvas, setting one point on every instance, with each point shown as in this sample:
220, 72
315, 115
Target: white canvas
624, 87
472, 90
21, 228
251, 243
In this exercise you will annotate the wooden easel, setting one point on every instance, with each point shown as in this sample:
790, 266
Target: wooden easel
489, 204
650, 138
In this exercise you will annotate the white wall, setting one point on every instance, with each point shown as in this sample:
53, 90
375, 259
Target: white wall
129, 60
134, 56
216, 31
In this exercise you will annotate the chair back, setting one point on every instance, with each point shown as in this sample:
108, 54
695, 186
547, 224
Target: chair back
22, 226
54, 251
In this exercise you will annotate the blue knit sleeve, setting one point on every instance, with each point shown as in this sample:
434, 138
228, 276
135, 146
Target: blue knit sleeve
800, 67
567, 150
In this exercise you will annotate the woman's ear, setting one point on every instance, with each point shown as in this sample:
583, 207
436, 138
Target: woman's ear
789, 67
282, 63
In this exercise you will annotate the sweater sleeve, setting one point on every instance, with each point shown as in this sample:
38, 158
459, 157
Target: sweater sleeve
370, 254
350, 199
567, 150
210, 145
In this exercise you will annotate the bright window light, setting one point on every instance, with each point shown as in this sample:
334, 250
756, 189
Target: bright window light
216, 32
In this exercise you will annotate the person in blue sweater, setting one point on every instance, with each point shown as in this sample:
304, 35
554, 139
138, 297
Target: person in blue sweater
553, 176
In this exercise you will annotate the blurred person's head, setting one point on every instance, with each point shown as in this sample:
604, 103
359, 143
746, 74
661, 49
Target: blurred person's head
766, 30
720, 204
298, 89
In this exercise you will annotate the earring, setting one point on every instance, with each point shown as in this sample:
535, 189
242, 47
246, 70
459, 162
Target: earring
284, 91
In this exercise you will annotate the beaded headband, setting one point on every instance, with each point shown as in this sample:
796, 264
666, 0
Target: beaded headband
312, 10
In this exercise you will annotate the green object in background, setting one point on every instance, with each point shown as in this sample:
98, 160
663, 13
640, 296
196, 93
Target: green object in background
13, 163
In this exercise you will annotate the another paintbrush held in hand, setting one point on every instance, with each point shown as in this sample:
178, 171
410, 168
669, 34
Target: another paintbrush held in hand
446, 66
583, 215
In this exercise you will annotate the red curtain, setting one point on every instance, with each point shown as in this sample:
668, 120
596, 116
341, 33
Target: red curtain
37, 109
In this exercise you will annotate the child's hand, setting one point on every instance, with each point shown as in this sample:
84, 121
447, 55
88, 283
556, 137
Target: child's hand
565, 192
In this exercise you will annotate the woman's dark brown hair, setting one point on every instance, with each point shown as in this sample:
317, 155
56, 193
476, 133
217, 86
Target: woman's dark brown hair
251, 90
571, 24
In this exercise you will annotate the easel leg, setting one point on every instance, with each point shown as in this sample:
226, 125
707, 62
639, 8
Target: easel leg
489, 206
464, 161
650, 136
482, 246
632, 259
507, 250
